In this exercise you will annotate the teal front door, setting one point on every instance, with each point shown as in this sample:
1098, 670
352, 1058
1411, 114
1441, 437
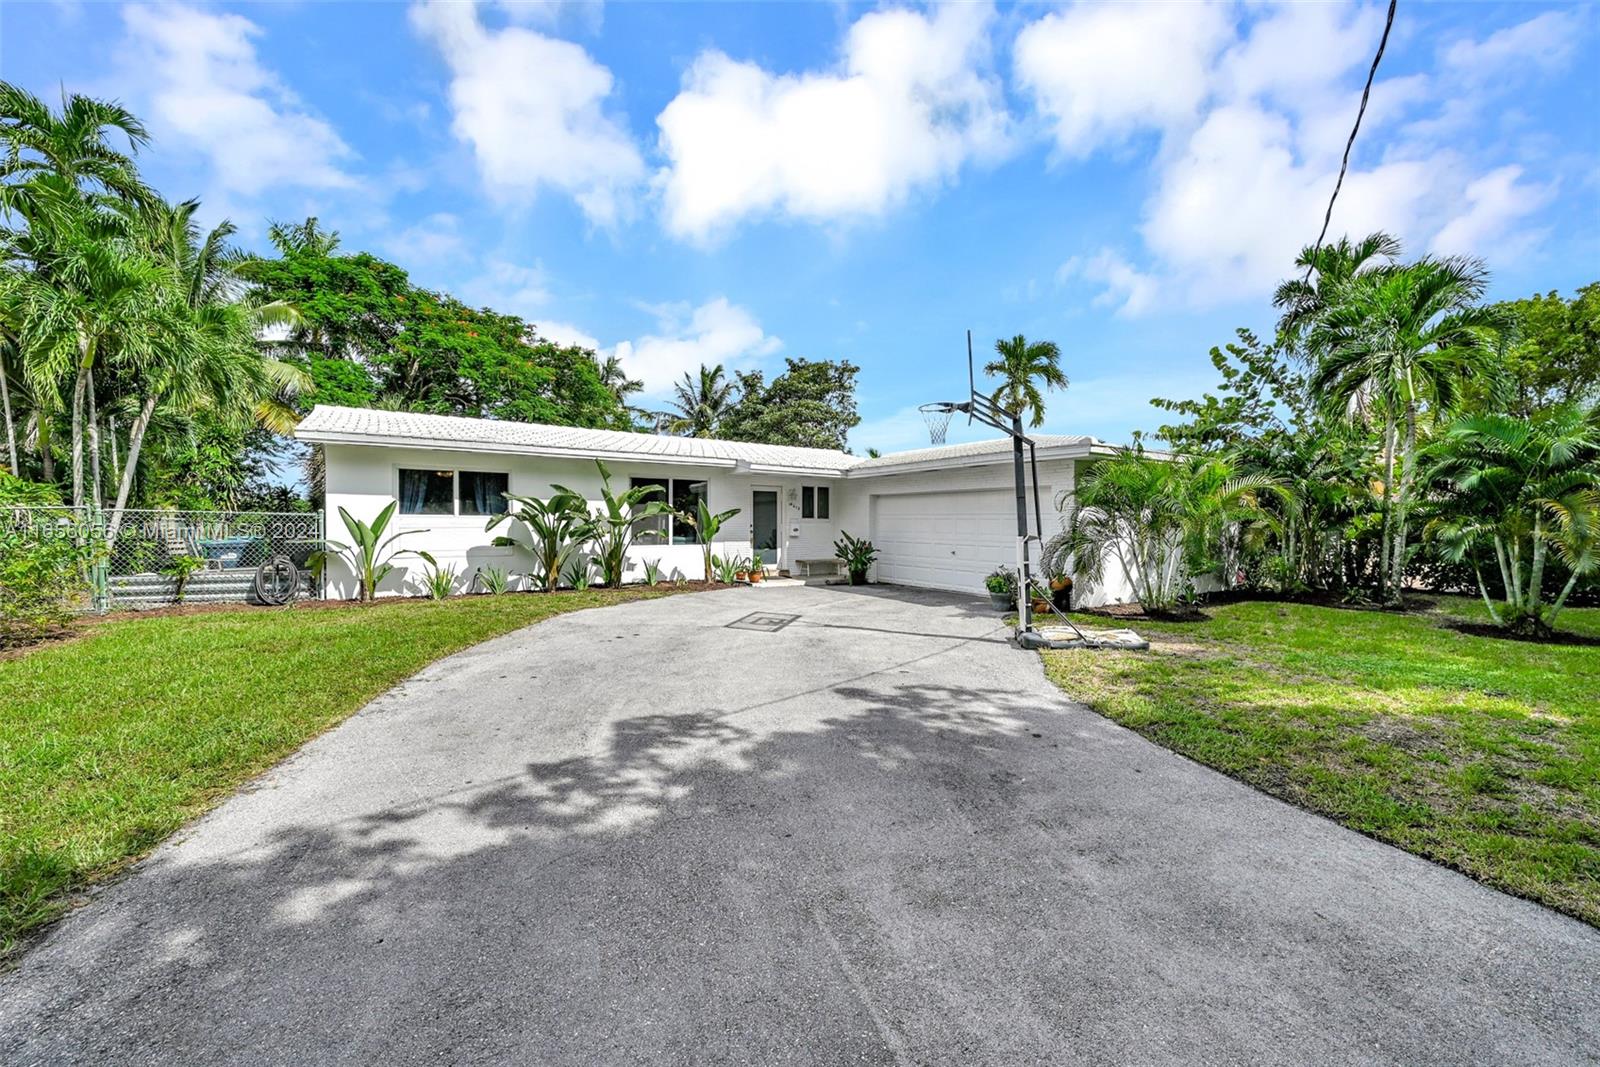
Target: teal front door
764, 525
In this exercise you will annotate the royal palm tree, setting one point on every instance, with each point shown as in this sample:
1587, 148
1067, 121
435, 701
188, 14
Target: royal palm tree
700, 403
1401, 339
1022, 368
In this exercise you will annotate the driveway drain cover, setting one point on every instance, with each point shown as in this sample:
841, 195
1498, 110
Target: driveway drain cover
765, 621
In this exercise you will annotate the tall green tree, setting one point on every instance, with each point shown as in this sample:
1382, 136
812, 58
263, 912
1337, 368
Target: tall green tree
1408, 338
700, 402
76, 196
812, 404
1550, 355
1025, 368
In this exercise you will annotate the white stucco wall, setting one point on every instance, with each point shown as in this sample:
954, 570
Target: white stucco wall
364, 479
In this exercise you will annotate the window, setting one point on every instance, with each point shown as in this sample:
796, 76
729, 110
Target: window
651, 530
483, 492
425, 492
814, 502
685, 496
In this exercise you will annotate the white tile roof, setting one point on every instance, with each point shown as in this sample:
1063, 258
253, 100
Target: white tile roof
333, 425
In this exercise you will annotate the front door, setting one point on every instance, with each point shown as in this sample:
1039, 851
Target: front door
764, 525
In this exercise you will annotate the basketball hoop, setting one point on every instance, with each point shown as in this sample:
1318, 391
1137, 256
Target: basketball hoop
937, 416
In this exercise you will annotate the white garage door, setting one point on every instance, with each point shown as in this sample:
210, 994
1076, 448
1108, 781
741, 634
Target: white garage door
946, 540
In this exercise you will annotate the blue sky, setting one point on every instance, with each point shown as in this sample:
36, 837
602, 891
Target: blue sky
740, 183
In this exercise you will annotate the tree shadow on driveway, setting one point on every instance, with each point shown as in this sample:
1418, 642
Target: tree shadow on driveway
923, 873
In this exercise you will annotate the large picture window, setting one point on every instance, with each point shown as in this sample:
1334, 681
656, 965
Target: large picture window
435, 492
483, 492
427, 492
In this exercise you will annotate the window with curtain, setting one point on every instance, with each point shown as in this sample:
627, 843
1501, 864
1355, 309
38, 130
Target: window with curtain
685, 496
483, 492
813, 502
427, 492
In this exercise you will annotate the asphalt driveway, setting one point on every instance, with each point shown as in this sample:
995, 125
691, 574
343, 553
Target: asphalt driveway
859, 829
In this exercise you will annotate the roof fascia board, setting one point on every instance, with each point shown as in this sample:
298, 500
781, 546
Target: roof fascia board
325, 437
986, 459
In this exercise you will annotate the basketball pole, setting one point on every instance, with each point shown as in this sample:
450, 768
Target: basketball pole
993, 415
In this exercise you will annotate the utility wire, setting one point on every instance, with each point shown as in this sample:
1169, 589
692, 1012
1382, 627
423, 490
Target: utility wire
1383, 42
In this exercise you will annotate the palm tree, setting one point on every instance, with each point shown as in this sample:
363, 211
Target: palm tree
1401, 339
1162, 520
76, 195
701, 403
88, 293
72, 144
1023, 367
1302, 300
1519, 489
208, 354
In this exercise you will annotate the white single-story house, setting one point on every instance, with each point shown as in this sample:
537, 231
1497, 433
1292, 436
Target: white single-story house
941, 518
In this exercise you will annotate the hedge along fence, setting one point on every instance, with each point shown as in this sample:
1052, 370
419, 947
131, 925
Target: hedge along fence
58, 560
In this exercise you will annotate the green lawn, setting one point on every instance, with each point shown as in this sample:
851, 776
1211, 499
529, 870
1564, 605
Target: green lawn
111, 742
1477, 752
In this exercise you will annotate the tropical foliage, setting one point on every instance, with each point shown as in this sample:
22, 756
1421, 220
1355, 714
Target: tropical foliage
812, 404
1026, 369
367, 555
616, 525
147, 362
1407, 435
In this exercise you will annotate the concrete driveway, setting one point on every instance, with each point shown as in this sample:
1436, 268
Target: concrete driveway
864, 829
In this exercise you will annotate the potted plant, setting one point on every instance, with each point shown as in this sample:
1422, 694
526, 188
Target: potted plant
1002, 586
857, 555
1055, 563
757, 572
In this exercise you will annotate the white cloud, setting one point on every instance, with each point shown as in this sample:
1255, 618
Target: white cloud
1495, 202
204, 87
430, 240
715, 332
508, 287
1100, 73
908, 106
532, 108
1253, 105
1545, 41
564, 333
1129, 290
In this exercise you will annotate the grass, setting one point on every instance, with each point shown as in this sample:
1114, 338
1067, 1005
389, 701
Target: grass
112, 741
1477, 752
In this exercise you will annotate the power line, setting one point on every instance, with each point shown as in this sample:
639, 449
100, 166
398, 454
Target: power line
1383, 42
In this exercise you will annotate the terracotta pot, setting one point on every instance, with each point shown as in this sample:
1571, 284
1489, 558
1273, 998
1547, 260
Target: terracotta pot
756, 575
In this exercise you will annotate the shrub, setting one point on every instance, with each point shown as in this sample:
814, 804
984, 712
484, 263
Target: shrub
43, 583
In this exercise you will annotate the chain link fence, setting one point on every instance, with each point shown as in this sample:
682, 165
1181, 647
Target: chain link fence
154, 558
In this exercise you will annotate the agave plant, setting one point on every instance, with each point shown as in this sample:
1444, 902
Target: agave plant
612, 530
494, 580
652, 572
366, 556
576, 573
559, 526
439, 581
